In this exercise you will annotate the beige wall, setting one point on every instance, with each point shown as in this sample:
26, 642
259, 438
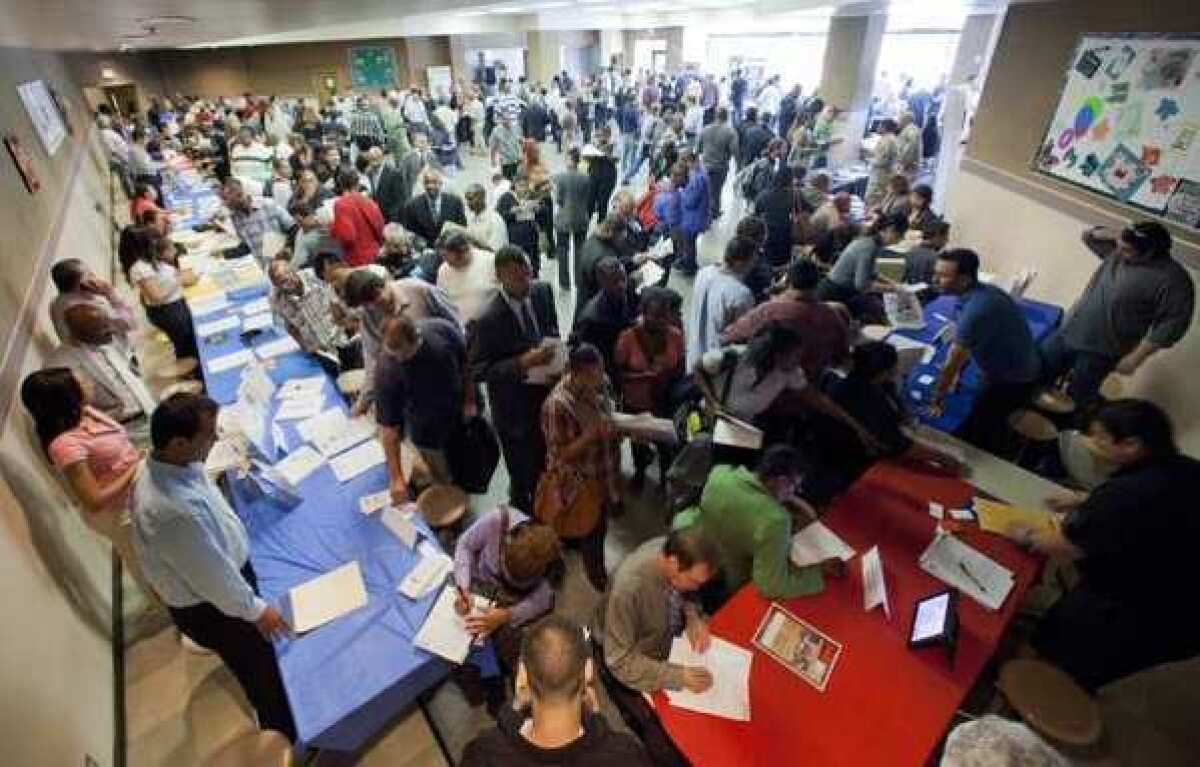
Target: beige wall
848, 75
56, 668
1027, 71
1016, 219
673, 36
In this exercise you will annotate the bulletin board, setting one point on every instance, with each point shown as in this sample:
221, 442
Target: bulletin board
1127, 124
372, 66
45, 114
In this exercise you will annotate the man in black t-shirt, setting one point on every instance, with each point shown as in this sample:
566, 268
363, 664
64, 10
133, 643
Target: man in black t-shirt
560, 725
1132, 540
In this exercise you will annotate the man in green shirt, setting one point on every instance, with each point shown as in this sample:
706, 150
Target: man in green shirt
748, 517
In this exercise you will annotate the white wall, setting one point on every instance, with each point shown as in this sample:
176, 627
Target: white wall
1012, 224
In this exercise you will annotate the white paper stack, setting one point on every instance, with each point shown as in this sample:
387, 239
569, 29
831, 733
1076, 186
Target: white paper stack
732, 432
230, 361
646, 426
553, 369
400, 522
327, 597
444, 632
256, 306
332, 432
978, 576
368, 504
729, 696
208, 304
349, 465
260, 321
817, 543
297, 408
284, 345
299, 464
301, 387
903, 309
426, 575
212, 327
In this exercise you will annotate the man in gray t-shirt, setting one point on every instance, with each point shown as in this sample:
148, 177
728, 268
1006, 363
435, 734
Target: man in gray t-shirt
1140, 300
718, 145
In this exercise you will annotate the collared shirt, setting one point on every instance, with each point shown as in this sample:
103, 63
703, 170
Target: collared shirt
824, 334
100, 442
718, 299
423, 395
141, 163
993, 328
1129, 300
633, 622
470, 288
565, 417
749, 395
263, 216
487, 227
524, 312
416, 299
506, 143
364, 122
414, 110
310, 314
855, 267
190, 543
252, 162
117, 310
133, 398
477, 558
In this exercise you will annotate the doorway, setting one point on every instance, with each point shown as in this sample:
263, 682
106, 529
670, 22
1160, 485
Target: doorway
122, 98
327, 87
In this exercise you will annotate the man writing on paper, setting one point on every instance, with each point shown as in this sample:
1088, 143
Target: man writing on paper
748, 517
195, 553
556, 720
1133, 542
634, 624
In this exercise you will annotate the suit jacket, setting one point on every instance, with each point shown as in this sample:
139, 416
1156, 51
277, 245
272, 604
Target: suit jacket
572, 201
594, 249
391, 193
497, 340
419, 219
410, 169
106, 396
534, 121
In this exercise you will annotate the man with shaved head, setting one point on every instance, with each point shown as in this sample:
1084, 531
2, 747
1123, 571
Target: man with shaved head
426, 213
556, 721
484, 224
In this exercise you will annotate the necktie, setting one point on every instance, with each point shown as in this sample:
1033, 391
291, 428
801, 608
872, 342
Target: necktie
675, 611
531, 327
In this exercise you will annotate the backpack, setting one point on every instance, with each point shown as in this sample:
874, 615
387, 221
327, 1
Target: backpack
753, 179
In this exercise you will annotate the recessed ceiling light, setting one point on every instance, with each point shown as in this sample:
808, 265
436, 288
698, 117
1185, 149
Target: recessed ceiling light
159, 21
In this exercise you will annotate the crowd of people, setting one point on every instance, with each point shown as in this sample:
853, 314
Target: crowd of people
438, 297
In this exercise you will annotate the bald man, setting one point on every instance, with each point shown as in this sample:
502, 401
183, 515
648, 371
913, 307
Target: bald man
426, 213
483, 223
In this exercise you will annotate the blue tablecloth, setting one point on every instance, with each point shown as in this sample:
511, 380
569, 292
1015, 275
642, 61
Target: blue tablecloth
1042, 319
348, 678
180, 193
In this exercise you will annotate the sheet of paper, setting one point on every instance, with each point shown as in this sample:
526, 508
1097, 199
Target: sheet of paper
971, 572
732, 432
646, 426
284, 345
911, 352
650, 274
368, 504
903, 309
230, 361
999, 518
553, 369
321, 426
874, 586
212, 327
296, 408
327, 597
299, 464
930, 620
444, 632
349, 433
400, 522
277, 436
260, 321
662, 249
816, 543
349, 465
214, 302
426, 575
223, 456
299, 387
256, 384
256, 306
729, 664
937, 510
963, 515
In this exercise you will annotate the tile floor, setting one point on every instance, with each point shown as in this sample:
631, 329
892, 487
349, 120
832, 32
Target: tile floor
183, 707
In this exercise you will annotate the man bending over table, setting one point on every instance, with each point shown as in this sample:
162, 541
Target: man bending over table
635, 622
195, 553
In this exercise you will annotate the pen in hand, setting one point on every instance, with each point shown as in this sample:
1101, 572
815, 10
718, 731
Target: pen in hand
971, 575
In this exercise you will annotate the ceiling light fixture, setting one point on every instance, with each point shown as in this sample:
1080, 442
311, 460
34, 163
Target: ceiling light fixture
162, 21
511, 9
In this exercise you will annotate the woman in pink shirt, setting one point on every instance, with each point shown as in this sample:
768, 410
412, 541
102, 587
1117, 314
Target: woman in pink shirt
92, 451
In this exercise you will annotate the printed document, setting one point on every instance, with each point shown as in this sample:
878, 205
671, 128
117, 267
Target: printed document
327, 597
729, 696
816, 543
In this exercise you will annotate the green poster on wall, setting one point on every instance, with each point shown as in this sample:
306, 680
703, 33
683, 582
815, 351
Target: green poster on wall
372, 66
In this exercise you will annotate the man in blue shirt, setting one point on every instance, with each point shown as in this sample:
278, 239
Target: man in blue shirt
992, 331
195, 553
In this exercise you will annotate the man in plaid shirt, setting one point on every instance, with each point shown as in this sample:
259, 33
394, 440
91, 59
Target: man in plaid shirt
366, 126
252, 218
305, 304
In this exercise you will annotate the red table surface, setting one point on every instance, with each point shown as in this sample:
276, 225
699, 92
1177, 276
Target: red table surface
885, 704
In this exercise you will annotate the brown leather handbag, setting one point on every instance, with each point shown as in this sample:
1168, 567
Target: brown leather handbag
568, 502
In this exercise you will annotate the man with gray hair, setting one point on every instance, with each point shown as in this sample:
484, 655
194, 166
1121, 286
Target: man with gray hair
483, 223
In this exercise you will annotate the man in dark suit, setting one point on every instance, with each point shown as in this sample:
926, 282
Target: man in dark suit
601, 244
425, 213
534, 120
505, 343
387, 185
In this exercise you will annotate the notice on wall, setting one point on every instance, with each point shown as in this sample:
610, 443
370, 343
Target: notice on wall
47, 120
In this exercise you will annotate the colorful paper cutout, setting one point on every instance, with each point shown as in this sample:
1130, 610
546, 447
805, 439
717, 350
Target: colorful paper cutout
1100, 132
1163, 184
1066, 138
1151, 155
1184, 205
1088, 63
1119, 93
1166, 68
1071, 157
1129, 121
1167, 108
1091, 164
1119, 63
1123, 173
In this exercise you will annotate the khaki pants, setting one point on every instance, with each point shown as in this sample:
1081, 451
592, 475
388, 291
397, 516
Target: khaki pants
116, 526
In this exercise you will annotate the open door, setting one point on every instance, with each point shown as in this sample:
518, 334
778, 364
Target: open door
327, 86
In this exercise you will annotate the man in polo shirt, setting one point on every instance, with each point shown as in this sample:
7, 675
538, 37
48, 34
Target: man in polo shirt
422, 388
253, 218
1139, 301
991, 331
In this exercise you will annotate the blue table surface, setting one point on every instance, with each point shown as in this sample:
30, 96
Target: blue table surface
181, 193
1042, 319
348, 678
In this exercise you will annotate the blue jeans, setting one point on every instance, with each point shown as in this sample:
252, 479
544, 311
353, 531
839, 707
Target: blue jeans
1088, 369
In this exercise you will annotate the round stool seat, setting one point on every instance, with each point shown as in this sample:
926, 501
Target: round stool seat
875, 332
178, 368
182, 387
442, 505
1050, 702
1055, 401
1113, 386
261, 748
350, 383
1033, 426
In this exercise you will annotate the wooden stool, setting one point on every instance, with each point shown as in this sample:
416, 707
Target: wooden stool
875, 332
1055, 401
1113, 386
260, 748
178, 369
351, 383
442, 507
1033, 428
1050, 702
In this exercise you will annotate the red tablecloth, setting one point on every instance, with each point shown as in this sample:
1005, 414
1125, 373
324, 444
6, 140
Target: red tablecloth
885, 704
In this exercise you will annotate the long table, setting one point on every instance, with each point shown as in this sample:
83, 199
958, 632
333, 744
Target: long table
348, 678
885, 704
920, 381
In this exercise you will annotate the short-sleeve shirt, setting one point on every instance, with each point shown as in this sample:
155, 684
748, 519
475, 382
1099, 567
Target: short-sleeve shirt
424, 394
164, 277
101, 442
749, 396
992, 327
855, 267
